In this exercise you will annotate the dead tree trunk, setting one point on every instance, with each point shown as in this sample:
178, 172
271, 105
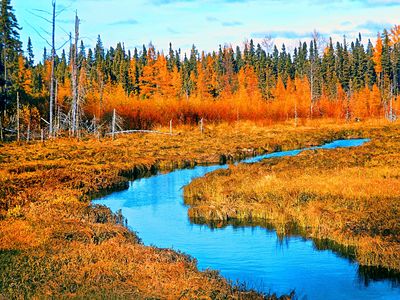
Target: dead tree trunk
312, 88
391, 115
101, 95
113, 124
52, 69
1, 129
28, 133
55, 127
18, 136
201, 126
74, 57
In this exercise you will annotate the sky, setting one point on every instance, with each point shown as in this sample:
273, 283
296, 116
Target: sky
205, 23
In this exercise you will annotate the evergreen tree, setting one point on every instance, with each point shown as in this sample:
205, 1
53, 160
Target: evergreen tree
275, 62
193, 60
282, 66
370, 78
10, 49
329, 71
99, 51
386, 52
239, 60
45, 57
346, 71
62, 68
89, 58
171, 63
187, 83
29, 49
81, 54
252, 53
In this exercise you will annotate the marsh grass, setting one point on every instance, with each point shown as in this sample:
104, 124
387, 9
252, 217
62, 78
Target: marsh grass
350, 196
56, 244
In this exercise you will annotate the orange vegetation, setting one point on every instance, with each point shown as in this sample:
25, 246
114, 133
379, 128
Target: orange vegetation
54, 243
350, 196
67, 247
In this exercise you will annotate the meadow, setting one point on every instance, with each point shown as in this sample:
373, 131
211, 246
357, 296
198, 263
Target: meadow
55, 243
344, 197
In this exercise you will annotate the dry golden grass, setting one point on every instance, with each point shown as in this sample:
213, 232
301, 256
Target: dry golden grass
54, 243
351, 196
83, 251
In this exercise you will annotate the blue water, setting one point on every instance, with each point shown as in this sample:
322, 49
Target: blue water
154, 208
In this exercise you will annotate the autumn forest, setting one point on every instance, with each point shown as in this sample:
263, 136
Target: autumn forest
318, 79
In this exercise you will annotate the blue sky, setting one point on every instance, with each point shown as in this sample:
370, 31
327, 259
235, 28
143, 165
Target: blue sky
205, 23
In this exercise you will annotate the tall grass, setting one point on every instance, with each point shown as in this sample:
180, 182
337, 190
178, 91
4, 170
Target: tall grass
351, 196
58, 245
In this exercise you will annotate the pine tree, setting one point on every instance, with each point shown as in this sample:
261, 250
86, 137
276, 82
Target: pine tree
275, 62
29, 49
358, 66
239, 60
370, 79
386, 52
329, 72
171, 58
193, 59
90, 58
282, 66
252, 53
62, 69
10, 49
346, 72
81, 54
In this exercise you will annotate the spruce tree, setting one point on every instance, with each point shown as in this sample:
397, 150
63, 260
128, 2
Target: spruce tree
328, 71
31, 56
81, 54
62, 68
252, 53
275, 62
45, 56
10, 49
239, 60
171, 58
370, 73
193, 59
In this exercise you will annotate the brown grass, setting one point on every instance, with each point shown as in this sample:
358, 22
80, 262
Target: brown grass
351, 196
54, 243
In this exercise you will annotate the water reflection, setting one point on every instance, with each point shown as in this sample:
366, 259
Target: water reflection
366, 274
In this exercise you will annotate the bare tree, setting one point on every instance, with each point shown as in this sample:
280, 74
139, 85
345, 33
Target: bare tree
75, 95
268, 43
53, 53
52, 99
18, 136
319, 39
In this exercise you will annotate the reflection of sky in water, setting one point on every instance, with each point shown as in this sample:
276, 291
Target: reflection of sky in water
154, 208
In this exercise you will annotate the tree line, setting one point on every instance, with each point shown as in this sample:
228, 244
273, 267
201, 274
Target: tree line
346, 79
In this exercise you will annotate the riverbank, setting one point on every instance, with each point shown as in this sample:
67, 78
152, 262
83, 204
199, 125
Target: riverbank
55, 243
349, 196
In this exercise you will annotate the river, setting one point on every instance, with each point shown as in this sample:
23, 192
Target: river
252, 255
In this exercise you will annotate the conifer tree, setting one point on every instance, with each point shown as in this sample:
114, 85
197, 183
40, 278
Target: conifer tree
31, 56
10, 49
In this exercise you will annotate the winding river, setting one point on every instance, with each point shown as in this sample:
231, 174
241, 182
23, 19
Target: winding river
256, 256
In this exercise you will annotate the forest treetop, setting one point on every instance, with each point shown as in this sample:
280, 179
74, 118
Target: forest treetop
315, 80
